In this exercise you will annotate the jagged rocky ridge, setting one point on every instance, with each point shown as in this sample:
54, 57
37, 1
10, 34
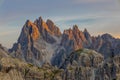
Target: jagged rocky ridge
74, 39
37, 42
83, 64
41, 42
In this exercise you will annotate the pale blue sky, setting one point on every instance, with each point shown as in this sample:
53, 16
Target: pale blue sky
98, 16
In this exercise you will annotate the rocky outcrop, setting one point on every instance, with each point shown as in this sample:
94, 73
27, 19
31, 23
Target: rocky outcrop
85, 64
83, 57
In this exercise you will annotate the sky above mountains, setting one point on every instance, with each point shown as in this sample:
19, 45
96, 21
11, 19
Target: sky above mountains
98, 16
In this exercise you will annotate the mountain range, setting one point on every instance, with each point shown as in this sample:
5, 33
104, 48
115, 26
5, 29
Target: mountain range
42, 41
73, 54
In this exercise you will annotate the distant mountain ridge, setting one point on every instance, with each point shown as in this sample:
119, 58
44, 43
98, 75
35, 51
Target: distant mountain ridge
41, 42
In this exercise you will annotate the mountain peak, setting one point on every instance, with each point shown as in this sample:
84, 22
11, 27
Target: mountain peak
49, 22
75, 28
29, 23
40, 18
85, 30
30, 29
47, 26
107, 35
53, 28
73, 37
69, 33
86, 33
42, 26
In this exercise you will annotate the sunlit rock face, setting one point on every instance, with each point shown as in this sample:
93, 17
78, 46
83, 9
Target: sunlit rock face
74, 38
33, 31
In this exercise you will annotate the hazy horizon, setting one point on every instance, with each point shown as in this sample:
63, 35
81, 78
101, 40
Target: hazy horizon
98, 16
